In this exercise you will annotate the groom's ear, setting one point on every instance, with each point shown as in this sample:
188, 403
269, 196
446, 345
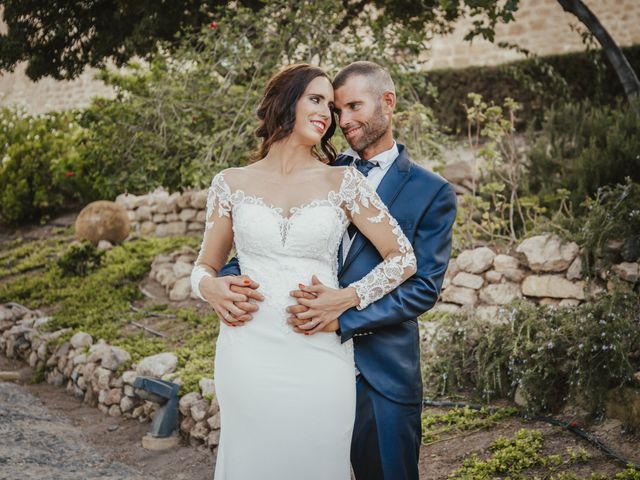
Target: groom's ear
389, 100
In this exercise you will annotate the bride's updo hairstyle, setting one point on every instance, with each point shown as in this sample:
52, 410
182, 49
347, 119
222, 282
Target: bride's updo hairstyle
277, 110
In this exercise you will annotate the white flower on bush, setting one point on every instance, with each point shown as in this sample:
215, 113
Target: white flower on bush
5, 160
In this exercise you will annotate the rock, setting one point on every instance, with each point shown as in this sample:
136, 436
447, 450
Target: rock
129, 391
129, 377
554, 286
104, 245
81, 339
159, 218
126, 404
500, 293
199, 199
184, 201
214, 422
195, 226
182, 269
207, 387
547, 253
113, 357
492, 276
477, 260
167, 204
113, 396
181, 290
101, 377
157, 366
171, 217
187, 214
627, 271
147, 228
502, 263
103, 220
80, 359
214, 438
200, 430
460, 295
137, 411
5, 314
459, 172
114, 411
201, 216
171, 228
186, 401
187, 424
575, 269
199, 410
469, 280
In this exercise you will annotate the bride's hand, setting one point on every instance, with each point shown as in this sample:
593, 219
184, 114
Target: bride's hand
323, 310
229, 296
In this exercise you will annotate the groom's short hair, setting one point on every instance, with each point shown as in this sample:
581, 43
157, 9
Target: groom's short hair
379, 79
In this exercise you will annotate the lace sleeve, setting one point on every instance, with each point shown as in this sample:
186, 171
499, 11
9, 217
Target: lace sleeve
218, 233
369, 214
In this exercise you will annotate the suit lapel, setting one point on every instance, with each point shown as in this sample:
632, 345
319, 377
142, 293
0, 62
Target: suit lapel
388, 190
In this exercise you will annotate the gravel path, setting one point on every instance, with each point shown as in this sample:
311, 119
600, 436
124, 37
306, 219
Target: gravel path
34, 444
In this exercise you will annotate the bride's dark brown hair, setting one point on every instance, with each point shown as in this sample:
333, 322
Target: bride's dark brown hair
277, 110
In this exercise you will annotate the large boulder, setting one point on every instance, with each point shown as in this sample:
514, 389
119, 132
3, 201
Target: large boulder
547, 253
103, 220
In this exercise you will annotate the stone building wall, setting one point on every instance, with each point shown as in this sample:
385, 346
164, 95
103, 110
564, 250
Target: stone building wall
540, 26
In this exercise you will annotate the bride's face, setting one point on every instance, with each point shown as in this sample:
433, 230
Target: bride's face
313, 112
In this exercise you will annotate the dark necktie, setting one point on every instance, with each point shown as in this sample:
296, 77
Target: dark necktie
364, 167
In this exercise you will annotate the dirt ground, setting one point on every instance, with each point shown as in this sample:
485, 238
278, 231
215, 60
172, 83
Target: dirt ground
118, 440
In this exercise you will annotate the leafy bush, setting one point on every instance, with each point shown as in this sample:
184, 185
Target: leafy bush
537, 83
80, 259
38, 164
581, 148
191, 113
547, 354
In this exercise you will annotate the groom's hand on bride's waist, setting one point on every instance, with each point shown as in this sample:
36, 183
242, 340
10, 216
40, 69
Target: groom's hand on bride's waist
319, 307
231, 297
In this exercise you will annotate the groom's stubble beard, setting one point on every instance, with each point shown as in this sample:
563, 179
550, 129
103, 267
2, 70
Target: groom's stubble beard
371, 131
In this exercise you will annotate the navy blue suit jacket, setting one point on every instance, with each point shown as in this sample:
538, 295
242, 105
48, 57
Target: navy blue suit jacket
385, 334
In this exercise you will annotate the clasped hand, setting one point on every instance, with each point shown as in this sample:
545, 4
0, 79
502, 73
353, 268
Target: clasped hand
319, 307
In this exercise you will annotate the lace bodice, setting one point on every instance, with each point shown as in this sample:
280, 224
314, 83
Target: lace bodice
285, 250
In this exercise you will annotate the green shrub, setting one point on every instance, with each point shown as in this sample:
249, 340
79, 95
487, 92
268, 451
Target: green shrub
80, 259
38, 164
548, 354
538, 84
582, 148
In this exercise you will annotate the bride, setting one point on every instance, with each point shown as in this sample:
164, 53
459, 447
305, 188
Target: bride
287, 401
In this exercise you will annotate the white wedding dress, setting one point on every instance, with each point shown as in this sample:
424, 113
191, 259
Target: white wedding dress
287, 401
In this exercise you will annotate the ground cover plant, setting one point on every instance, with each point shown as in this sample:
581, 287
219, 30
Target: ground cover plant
81, 294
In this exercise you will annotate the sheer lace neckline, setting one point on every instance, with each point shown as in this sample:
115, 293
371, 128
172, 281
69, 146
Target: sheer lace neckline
239, 196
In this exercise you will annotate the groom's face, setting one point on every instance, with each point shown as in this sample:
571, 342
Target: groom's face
362, 116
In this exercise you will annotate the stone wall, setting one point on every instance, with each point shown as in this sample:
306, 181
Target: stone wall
540, 26
541, 269
162, 214
89, 370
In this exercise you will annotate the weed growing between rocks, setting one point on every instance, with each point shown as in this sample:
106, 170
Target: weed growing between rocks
544, 355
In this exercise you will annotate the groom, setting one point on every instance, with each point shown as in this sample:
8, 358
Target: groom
387, 431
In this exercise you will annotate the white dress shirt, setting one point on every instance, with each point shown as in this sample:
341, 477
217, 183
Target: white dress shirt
376, 174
